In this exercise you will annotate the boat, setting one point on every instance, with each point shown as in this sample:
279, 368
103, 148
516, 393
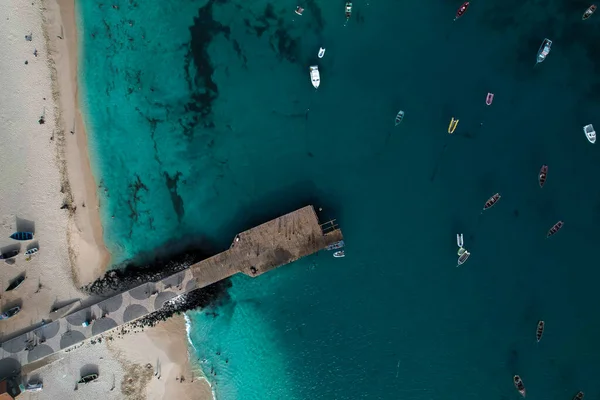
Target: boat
543, 175
339, 254
590, 133
16, 283
463, 256
578, 396
453, 125
555, 228
540, 330
489, 98
460, 242
88, 378
491, 201
315, 77
588, 13
22, 236
543, 51
34, 387
31, 251
9, 254
461, 10
299, 10
336, 245
399, 117
519, 384
348, 10
321, 52
10, 313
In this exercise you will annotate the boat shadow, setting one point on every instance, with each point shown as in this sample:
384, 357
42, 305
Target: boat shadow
25, 225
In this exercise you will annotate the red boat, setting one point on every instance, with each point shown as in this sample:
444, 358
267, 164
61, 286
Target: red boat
555, 228
519, 385
543, 175
462, 10
491, 201
540, 330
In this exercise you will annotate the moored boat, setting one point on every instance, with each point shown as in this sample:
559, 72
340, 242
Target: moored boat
336, 245
321, 52
590, 133
88, 378
16, 283
543, 175
555, 228
588, 13
491, 201
10, 313
543, 51
463, 256
539, 331
489, 98
578, 396
461, 10
299, 10
22, 236
519, 384
399, 117
348, 10
9, 254
453, 125
339, 254
315, 77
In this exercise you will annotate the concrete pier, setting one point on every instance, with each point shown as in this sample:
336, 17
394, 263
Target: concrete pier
252, 252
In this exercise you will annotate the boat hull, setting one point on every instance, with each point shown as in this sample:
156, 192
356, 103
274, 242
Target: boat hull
489, 99
543, 175
399, 117
22, 236
544, 50
315, 76
555, 228
590, 133
453, 125
588, 13
539, 332
461, 10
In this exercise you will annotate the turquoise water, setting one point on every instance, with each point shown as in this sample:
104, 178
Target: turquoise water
205, 124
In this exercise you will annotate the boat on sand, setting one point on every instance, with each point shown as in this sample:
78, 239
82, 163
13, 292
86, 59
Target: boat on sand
519, 384
10, 313
315, 77
9, 254
22, 236
88, 378
16, 282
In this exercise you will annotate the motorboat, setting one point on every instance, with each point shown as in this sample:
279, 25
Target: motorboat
539, 331
10, 313
88, 378
453, 125
299, 10
590, 133
461, 10
543, 175
321, 52
588, 13
399, 117
9, 254
22, 236
578, 396
489, 98
491, 201
315, 77
543, 51
519, 384
335, 246
463, 256
555, 228
460, 242
339, 254
348, 10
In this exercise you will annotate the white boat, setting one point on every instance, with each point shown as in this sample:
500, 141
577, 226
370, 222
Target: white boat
460, 242
321, 52
543, 51
315, 77
463, 256
590, 133
399, 117
339, 254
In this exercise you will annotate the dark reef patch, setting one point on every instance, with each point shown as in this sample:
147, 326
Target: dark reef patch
176, 199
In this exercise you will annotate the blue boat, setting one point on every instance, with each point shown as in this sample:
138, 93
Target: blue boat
22, 236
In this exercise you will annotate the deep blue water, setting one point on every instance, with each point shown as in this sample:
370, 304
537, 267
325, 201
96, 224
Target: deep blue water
203, 122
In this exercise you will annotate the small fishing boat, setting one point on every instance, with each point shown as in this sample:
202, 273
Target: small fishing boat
299, 10
489, 98
10, 313
399, 117
16, 283
543, 175
453, 125
88, 378
9, 254
339, 254
578, 396
463, 256
315, 77
336, 245
22, 236
321, 52
34, 387
462, 9
491, 201
555, 228
543, 51
590, 133
31, 252
588, 13
540, 330
348, 10
519, 384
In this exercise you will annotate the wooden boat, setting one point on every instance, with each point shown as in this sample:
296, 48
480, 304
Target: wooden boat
519, 384
16, 283
88, 378
462, 9
31, 252
543, 175
9, 254
339, 254
491, 201
399, 117
315, 77
489, 99
578, 396
22, 236
588, 13
543, 51
10, 313
590, 133
348, 10
555, 228
540, 330
453, 125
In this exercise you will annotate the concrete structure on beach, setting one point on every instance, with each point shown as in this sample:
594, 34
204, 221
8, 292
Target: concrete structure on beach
253, 252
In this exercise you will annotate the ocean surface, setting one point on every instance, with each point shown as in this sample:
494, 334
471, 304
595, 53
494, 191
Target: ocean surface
203, 122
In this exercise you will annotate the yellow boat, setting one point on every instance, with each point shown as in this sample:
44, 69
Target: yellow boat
453, 125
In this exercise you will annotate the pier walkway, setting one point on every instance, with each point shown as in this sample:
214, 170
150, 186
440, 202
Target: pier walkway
252, 252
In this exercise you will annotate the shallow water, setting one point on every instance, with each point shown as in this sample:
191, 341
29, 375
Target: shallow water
206, 124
